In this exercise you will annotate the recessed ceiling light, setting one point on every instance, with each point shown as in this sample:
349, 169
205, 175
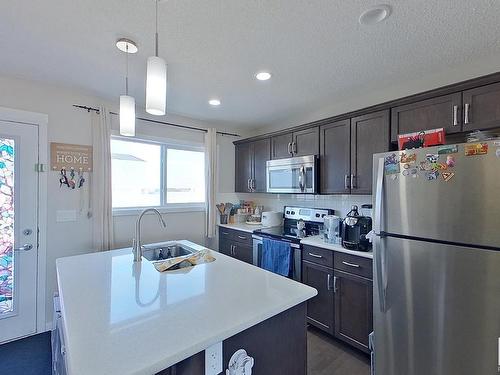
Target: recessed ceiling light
263, 76
214, 102
375, 14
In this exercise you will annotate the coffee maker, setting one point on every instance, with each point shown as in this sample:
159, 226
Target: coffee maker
354, 231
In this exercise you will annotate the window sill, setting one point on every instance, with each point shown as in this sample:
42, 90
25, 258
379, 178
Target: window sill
135, 211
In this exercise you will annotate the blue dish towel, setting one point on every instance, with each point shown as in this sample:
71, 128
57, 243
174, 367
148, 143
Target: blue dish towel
276, 257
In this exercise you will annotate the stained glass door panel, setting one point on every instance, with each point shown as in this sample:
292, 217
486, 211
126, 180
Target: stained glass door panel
18, 229
7, 258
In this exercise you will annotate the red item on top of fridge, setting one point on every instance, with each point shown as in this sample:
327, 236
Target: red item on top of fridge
425, 138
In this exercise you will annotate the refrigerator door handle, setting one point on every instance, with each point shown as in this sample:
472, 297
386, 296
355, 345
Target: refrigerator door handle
380, 256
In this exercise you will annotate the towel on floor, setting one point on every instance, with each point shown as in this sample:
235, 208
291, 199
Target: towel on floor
277, 256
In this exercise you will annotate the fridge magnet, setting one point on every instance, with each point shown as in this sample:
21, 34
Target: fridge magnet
410, 172
391, 164
447, 176
476, 149
450, 161
496, 143
432, 158
408, 158
394, 176
497, 152
441, 166
433, 175
425, 166
451, 149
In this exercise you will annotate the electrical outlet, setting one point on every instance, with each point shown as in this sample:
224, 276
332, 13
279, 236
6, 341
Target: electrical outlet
213, 359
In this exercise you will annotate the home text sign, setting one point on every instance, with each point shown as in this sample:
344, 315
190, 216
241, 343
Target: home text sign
63, 155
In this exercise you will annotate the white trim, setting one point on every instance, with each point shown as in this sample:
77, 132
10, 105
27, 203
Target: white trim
41, 121
134, 211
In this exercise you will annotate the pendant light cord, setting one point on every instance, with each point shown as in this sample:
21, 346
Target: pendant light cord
126, 70
156, 34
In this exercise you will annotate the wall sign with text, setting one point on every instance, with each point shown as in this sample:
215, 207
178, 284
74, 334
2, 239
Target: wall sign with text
67, 156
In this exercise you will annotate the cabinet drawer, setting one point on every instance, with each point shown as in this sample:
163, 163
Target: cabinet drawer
353, 264
244, 238
317, 255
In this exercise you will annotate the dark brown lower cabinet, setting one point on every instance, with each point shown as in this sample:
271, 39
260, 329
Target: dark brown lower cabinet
320, 309
353, 309
236, 244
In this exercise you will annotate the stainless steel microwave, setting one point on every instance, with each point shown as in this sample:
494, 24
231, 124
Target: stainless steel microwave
294, 175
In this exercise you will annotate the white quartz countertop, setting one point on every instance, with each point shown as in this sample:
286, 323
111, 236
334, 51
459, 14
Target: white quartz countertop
242, 226
318, 242
125, 318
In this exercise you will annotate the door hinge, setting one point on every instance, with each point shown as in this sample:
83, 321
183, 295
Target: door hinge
39, 167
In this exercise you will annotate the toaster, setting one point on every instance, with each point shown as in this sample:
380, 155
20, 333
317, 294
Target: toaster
272, 218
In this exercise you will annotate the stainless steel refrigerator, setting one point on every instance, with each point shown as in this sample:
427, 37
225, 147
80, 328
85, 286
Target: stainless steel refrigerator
437, 261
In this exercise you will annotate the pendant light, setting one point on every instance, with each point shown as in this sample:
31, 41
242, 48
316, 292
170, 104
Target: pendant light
156, 80
127, 102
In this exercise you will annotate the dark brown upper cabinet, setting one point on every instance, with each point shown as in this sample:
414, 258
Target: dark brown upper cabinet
335, 157
369, 135
299, 143
441, 112
481, 107
250, 165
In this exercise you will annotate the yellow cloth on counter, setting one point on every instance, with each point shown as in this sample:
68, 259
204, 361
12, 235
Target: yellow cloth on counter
199, 257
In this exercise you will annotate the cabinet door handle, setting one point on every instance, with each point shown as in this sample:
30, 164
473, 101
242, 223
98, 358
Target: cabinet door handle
294, 147
466, 113
351, 264
353, 181
315, 255
234, 250
346, 182
253, 184
455, 115
329, 282
225, 233
248, 184
242, 237
289, 148
334, 284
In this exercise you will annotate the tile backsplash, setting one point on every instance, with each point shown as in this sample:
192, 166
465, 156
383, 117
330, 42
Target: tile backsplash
275, 202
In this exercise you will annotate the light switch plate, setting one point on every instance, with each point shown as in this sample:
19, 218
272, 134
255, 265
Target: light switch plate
63, 216
213, 359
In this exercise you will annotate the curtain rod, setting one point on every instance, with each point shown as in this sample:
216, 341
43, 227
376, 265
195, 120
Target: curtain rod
96, 110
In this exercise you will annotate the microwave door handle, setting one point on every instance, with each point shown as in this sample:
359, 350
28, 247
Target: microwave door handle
302, 177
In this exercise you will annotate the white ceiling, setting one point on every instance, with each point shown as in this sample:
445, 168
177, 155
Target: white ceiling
316, 49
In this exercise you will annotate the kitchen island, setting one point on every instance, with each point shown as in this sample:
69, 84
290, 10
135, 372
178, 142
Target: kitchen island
121, 317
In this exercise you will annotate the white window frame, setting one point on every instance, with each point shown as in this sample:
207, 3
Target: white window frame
166, 144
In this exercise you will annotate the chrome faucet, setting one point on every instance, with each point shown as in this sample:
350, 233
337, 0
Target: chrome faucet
137, 246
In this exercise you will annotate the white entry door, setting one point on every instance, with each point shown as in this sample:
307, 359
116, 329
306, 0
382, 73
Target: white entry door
18, 229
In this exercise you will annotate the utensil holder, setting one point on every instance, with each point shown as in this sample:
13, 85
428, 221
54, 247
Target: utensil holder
223, 219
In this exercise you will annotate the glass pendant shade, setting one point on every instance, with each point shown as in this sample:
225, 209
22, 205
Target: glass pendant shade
156, 86
127, 115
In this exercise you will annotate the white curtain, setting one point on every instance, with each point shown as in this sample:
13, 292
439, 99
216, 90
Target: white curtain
101, 205
210, 181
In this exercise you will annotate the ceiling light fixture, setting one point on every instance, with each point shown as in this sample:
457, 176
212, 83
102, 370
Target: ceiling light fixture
156, 80
127, 103
263, 76
214, 102
375, 14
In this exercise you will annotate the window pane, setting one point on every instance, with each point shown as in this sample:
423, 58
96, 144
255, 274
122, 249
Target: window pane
136, 173
185, 176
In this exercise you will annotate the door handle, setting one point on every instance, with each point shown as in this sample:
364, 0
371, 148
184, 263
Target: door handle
294, 147
232, 250
253, 184
249, 187
302, 177
353, 181
346, 182
455, 115
379, 252
290, 148
335, 284
242, 237
328, 282
315, 255
466, 113
351, 264
25, 247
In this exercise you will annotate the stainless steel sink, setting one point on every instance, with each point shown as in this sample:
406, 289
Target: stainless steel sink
165, 250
